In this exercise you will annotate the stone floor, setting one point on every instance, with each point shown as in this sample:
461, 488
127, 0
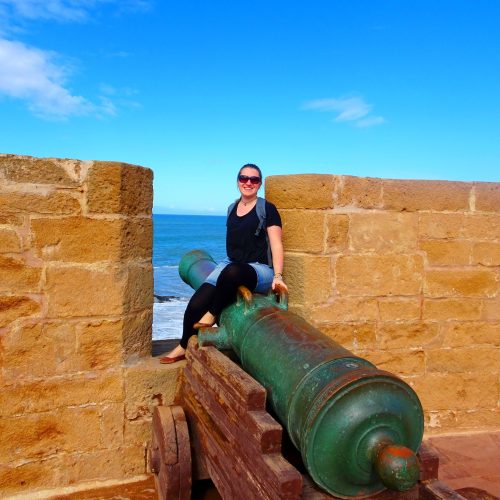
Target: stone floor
466, 462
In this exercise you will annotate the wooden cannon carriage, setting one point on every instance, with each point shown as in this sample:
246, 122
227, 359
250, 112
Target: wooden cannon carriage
220, 429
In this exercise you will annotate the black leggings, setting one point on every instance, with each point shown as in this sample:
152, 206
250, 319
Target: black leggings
213, 299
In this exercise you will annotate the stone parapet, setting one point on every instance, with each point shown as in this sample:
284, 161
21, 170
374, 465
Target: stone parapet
406, 274
77, 384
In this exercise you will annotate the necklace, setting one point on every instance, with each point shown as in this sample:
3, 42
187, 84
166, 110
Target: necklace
248, 202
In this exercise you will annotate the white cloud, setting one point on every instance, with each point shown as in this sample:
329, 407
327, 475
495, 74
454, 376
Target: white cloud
347, 109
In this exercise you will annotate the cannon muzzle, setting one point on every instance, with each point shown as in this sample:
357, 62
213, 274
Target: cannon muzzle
357, 428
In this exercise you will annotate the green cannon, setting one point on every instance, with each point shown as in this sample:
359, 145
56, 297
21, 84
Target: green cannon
357, 427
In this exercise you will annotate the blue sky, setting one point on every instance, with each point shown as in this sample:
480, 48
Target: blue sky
194, 89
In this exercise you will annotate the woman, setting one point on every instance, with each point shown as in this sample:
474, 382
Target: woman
247, 260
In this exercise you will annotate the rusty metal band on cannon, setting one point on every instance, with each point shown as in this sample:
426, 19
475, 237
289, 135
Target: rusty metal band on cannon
357, 428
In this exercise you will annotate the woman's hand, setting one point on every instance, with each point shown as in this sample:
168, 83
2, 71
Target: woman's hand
278, 282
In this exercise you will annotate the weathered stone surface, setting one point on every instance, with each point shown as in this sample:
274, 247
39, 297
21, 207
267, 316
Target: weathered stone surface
347, 309
54, 202
491, 309
461, 282
451, 309
44, 434
410, 196
487, 196
17, 277
40, 170
486, 254
308, 277
463, 360
360, 335
373, 275
312, 191
383, 232
29, 476
112, 425
138, 292
149, 384
473, 333
359, 192
43, 395
11, 219
337, 231
447, 253
79, 291
100, 344
13, 307
119, 188
304, 230
137, 334
453, 421
443, 391
138, 432
399, 309
9, 241
399, 362
408, 335
445, 225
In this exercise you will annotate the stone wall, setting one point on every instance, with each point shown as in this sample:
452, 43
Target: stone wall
406, 274
77, 382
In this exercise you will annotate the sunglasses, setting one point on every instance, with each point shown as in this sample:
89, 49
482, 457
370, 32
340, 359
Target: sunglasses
253, 179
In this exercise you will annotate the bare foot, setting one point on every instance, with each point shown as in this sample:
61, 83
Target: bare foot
177, 351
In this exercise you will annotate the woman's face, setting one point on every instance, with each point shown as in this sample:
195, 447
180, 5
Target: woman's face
247, 181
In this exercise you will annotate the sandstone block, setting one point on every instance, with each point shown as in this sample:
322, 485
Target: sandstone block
303, 230
337, 231
461, 282
436, 225
410, 196
148, 384
487, 196
138, 292
77, 239
399, 309
347, 309
53, 202
43, 435
9, 219
447, 422
471, 333
13, 307
373, 275
137, 238
34, 397
359, 192
40, 170
455, 391
398, 362
17, 277
408, 335
137, 334
486, 253
80, 291
308, 277
451, 309
112, 425
19, 478
491, 309
447, 253
360, 335
463, 360
100, 344
119, 188
9, 241
138, 432
312, 191
383, 232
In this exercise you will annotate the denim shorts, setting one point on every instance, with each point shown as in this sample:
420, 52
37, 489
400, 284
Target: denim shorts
265, 275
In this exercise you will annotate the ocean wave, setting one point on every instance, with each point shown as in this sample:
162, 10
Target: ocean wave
167, 266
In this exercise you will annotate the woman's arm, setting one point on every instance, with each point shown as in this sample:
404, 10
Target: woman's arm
275, 240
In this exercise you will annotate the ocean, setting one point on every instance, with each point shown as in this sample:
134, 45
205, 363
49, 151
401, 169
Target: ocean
173, 236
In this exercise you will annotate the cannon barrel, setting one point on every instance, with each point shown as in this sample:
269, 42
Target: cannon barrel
357, 427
